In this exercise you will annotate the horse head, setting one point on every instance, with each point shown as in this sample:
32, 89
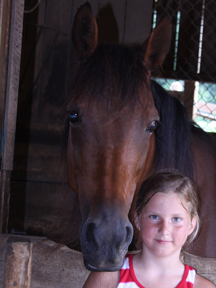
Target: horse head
111, 138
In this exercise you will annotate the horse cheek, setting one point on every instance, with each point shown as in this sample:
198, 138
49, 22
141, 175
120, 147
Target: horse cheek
71, 168
148, 162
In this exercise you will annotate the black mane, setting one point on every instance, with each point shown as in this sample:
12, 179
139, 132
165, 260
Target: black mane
173, 136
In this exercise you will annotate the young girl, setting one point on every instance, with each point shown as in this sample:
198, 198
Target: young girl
167, 218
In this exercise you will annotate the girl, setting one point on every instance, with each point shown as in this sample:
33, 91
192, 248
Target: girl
167, 218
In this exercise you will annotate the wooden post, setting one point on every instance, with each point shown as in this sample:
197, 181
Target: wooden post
18, 262
10, 50
5, 17
189, 95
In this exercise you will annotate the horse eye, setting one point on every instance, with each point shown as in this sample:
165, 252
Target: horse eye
74, 117
151, 127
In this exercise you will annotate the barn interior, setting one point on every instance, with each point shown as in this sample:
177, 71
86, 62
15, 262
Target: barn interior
37, 51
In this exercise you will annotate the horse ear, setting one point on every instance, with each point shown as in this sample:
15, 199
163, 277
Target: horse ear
157, 45
85, 31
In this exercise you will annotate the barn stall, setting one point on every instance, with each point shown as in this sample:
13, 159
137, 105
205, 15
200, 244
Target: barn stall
38, 63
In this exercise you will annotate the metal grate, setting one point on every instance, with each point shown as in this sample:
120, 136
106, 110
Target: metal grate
192, 59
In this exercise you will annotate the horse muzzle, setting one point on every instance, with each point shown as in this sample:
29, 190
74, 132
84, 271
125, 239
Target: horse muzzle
105, 240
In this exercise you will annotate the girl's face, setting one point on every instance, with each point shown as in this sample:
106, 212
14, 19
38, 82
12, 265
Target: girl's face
164, 224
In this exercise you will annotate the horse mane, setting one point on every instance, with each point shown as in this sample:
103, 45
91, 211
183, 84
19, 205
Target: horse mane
173, 136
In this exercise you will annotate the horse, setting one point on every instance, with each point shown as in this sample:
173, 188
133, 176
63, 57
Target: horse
122, 127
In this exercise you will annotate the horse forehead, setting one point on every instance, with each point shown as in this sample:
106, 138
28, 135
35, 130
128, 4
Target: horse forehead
109, 102
113, 76
109, 114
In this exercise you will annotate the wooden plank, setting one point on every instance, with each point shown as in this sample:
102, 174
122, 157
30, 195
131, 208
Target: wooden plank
42, 200
9, 124
4, 200
58, 15
50, 86
205, 267
138, 21
111, 21
5, 15
18, 260
27, 67
41, 209
55, 266
38, 162
43, 133
12, 84
188, 96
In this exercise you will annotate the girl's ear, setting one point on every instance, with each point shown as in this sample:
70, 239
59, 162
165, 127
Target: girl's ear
192, 226
137, 220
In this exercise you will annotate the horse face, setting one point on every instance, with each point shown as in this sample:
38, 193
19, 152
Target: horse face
108, 157
111, 140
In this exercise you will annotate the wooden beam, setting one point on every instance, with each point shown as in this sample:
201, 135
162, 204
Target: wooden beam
189, 95
13, 40
5, 15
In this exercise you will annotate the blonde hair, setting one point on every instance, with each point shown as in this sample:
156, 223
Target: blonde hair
169, 181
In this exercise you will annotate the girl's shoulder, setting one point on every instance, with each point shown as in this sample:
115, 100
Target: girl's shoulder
201, 282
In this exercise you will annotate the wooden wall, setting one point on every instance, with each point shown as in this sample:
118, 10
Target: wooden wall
39, 187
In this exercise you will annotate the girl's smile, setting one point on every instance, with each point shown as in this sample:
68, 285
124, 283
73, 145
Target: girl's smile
163, 242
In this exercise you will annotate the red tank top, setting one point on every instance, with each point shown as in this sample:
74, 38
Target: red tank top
128, 278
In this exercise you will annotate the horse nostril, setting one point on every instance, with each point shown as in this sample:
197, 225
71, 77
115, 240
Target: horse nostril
89, 236
125, 238
129, 234
89, 232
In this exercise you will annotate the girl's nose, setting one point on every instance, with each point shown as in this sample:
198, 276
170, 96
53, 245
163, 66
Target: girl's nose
164, 227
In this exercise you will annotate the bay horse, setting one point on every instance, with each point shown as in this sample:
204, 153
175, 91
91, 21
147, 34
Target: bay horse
122, 127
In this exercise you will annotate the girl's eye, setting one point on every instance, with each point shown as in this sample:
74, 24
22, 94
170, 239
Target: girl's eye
176, 219
154, 217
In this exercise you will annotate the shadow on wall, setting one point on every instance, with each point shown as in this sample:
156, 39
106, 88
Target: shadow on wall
107, 26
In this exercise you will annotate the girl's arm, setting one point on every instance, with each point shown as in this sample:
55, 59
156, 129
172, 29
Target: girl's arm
102, 279
201, 282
